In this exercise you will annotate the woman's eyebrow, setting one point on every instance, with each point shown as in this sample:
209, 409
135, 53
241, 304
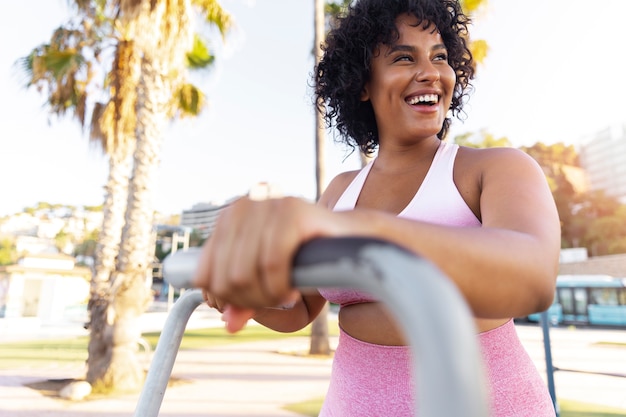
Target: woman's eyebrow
410, 48
401, 48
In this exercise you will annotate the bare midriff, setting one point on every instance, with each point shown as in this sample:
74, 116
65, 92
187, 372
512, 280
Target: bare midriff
373, 323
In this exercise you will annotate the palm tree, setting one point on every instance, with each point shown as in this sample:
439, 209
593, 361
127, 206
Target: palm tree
64, 69
319, 343
165, 40
325, 14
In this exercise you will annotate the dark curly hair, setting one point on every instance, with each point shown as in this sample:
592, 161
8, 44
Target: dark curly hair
344, 68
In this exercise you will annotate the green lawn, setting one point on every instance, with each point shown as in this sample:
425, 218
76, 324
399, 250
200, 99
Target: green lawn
576, 409
43, 353
312, 407
52, 352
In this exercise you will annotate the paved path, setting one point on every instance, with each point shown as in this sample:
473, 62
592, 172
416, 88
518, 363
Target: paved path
254, 379
250, 379
592, 362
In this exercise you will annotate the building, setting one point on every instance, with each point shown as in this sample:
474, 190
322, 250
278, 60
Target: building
47, 287
603, 156
614, 265
202, 216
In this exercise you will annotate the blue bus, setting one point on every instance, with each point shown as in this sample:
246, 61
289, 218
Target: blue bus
588, 300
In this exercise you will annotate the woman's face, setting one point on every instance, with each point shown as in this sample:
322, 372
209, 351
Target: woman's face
411, 83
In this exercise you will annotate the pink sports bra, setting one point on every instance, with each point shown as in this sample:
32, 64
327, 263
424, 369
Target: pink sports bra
437, 201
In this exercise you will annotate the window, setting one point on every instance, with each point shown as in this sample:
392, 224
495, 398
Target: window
603, 296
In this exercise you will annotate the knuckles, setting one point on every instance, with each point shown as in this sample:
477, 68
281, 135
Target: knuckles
258, 274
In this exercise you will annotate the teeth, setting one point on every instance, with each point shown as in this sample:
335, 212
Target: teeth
426, 98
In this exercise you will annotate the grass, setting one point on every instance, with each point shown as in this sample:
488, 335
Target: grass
43, 353
61, 352
203, 338
306, 408
578, 409
311, 408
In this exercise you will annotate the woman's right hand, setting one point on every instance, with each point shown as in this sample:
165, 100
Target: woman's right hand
235, 318
246, 263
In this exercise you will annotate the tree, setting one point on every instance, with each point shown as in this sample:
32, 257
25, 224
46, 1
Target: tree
325, 16
87, 247
64, 70
601, 220
554, 159
550, 155
165, 41
590, 219
483, 139
319, 343
8, 252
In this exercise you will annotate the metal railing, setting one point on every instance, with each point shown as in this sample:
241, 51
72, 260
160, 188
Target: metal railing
427, 305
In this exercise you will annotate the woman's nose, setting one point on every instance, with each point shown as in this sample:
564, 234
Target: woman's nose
427, 72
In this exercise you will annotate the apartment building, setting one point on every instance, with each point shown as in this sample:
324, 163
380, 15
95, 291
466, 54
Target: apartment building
202, 216
603, 156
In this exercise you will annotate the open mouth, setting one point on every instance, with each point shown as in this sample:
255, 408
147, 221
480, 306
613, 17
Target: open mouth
423, 100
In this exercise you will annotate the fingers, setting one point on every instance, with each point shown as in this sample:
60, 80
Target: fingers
213, 301
240, 272
247, 260
277, 248
236, 318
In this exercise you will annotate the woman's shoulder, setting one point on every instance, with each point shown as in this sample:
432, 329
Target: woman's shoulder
492, 152
498, 156
336, 188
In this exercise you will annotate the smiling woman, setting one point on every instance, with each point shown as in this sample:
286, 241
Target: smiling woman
392, 74
416, 68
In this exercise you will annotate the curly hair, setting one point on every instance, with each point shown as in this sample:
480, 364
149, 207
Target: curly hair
344, 68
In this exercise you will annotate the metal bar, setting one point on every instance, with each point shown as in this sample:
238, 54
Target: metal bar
431, 311
545, 327
151, 397
436, 320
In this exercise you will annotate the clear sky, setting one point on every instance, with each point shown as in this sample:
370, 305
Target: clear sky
554, 74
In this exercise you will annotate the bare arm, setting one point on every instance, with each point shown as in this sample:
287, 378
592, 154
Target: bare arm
299, 310
505, 268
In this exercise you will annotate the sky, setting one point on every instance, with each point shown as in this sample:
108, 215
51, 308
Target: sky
554, 73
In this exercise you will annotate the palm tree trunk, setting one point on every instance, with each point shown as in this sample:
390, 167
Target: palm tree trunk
162, 36
100, 340
320, 344
130, 286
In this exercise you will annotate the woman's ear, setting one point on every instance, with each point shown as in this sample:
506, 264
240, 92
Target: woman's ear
365, 95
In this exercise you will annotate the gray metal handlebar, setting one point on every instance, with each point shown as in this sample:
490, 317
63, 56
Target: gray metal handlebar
429, 308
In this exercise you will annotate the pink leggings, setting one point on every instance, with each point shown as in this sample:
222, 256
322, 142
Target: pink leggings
375, 380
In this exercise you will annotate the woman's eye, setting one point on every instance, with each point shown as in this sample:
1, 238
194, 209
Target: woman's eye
402, 58
441, 57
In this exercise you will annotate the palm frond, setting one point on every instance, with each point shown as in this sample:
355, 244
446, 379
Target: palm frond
96, 134
470, 6
479, 49
190, 99
214, 14
199, 57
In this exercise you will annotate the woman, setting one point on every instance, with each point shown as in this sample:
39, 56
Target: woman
392, 73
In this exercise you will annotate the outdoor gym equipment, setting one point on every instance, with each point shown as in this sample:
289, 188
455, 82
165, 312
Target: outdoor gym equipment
426, 304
